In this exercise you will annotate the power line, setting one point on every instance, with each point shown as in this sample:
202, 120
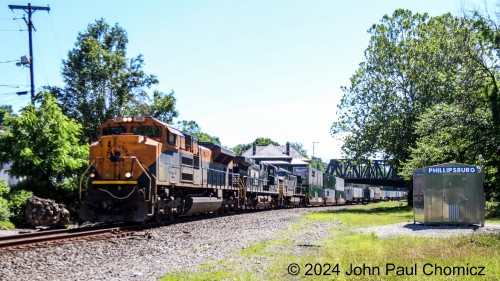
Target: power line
41, 68
55, 35
19, 93
12, 19
9, 61
10, 86
30, 10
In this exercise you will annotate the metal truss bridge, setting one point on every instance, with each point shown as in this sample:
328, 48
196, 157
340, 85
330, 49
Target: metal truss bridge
375, 172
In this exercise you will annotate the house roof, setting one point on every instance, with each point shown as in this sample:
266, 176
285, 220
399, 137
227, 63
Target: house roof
272, 151
276, 162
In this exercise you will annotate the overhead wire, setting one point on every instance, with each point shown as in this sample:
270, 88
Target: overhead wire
41, 60
3, 95
22, 102
40, 65
20, 28
10, 100
55, 35
10, 18
14, 85
14, 98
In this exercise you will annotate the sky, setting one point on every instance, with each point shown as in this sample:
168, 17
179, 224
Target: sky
241, 69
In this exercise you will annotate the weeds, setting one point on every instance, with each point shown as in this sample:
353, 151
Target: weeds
343, 252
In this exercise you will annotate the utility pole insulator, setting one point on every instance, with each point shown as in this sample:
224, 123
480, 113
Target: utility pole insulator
30, 10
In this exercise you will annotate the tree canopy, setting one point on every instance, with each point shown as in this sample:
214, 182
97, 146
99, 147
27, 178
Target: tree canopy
42, 146
425, 94
241, 148
101, 82
192, 128
5, 111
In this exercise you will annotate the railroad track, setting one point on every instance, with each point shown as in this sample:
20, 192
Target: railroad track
50, 237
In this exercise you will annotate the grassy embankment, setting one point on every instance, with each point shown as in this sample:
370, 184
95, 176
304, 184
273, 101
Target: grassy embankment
399, 258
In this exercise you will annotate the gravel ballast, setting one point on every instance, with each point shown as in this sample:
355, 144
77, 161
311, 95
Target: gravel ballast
182, 246
176, 246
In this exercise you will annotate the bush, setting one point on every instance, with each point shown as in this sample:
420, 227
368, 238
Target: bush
6, 225
68, 196
17, 204
64, 192
492, 209
4, 205
4, 210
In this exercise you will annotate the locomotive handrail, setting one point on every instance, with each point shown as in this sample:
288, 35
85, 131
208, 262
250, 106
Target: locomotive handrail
80, 193
234, 180
218, 173
242, 187
150, 195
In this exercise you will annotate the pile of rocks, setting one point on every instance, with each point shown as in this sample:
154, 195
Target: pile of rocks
42, 212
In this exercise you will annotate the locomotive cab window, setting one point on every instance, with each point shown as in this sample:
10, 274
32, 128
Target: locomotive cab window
171, 138
147, 131
107, 131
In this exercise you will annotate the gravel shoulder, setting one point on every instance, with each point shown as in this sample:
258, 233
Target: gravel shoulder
421, 230
181, 246
185, 246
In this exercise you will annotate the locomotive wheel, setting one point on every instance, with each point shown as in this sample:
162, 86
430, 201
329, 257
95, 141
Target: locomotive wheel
158, 218
273, 204
169, 214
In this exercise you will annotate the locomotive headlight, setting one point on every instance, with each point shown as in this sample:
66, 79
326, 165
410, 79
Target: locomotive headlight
128, 174
92, 175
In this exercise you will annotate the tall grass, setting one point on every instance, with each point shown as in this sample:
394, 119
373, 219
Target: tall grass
399, 258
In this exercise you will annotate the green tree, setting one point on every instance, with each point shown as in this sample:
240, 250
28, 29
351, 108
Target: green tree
5, 213
101, 82
162, 107
489, 65
299, 147
413, 62
42, 146
5, 111
317, 163
459, 137
427, 93
192, 128
241, 148
462, 136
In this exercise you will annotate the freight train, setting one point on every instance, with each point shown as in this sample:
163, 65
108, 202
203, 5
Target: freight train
142, 168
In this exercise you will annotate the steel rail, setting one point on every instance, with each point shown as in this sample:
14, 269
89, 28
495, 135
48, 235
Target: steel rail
51, 236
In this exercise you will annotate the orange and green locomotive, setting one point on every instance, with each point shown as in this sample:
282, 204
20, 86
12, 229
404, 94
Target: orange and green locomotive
142, 168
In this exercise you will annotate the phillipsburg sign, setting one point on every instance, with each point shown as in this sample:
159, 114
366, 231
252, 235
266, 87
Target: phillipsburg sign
452, 170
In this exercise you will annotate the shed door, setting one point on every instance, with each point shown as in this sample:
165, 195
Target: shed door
453, 198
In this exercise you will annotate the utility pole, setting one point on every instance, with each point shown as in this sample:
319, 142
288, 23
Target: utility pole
30, 10
314, 142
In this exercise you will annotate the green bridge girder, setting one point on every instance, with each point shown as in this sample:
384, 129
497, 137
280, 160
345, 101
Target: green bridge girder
376, 172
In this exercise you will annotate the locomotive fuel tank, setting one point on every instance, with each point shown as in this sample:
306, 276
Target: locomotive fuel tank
199, 205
